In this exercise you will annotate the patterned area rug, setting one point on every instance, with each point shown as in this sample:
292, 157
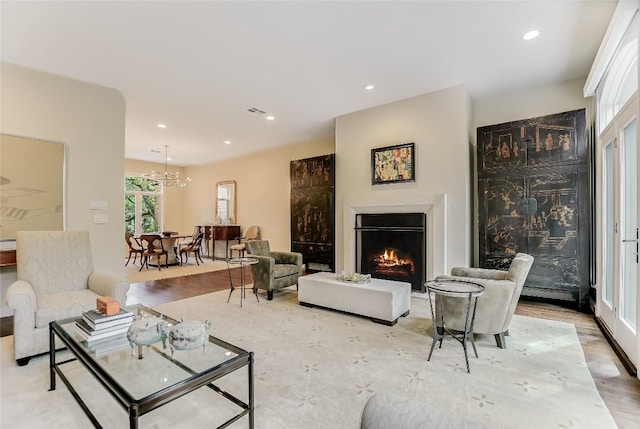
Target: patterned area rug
133, 275
316, 368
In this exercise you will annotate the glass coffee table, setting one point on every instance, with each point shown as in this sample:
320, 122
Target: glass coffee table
137, 391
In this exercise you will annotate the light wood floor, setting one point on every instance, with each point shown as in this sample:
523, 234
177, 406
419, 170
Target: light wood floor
619, 390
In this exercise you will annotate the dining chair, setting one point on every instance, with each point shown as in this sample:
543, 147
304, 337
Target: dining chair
153, 247
190, 240
135, 248
194, 247
252, 233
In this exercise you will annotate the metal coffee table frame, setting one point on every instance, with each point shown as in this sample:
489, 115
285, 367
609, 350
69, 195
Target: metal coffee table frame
139, 407
457, 289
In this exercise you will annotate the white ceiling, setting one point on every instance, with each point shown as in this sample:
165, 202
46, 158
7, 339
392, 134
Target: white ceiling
198, 66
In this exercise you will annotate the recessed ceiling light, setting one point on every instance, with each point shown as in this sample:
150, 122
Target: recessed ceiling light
227, 142
529, 35
369, 87
162, 126
270, 118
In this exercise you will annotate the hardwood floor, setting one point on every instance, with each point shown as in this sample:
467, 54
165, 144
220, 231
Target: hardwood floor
173, 289
619, 390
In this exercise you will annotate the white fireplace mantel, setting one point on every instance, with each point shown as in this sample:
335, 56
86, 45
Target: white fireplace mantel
434, 205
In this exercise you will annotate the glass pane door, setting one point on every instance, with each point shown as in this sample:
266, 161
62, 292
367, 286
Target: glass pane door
618, 295
629, 223
608, 225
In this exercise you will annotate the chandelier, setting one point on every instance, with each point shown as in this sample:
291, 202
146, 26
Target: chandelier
167, 178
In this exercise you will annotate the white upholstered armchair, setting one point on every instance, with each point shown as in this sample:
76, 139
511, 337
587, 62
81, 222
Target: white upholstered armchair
55, 281
496, 305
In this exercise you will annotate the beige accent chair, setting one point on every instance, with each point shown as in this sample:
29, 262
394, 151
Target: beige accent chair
252, 233
495, 306
274, 270
55, 281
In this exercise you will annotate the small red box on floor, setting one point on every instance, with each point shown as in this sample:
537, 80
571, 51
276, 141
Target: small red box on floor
108, 305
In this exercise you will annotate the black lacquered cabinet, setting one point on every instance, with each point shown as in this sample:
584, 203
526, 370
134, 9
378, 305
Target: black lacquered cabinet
533, 197
313, 211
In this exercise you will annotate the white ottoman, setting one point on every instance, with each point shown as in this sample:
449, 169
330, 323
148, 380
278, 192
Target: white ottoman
381, 300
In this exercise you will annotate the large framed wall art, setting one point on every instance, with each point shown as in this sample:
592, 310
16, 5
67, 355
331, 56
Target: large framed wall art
393, 164
31, 185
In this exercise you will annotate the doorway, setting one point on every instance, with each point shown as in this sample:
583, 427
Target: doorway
618, 297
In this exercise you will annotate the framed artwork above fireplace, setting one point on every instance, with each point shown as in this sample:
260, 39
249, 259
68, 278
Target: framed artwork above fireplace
392, 164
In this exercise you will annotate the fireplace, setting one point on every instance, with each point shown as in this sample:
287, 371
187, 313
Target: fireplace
392, 246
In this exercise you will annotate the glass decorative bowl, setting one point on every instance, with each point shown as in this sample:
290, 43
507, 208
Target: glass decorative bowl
353, 277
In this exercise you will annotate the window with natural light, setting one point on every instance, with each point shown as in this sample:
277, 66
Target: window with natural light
142, 205
224, 201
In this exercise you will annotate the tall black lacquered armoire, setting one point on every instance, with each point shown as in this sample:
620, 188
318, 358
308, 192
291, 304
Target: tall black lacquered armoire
533, 197
313, 211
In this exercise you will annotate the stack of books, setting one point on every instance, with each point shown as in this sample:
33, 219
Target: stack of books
104, 333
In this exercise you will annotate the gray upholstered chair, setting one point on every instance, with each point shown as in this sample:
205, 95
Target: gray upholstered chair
274, 270
55, 281
495, 306
390, 411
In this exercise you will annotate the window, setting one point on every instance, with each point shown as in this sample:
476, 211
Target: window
621, 79
224, 202
142, 205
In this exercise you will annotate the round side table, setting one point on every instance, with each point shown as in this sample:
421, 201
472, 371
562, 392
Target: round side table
243, 262
456, 289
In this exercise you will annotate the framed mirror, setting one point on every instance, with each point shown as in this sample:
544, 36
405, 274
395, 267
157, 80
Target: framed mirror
226, 202
32, 184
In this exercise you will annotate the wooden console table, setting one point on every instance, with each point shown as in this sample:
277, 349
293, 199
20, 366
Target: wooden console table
7, 258
224, 233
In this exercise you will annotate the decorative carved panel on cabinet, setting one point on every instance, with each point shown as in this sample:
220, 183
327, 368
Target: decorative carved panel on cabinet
533, 197
313, 211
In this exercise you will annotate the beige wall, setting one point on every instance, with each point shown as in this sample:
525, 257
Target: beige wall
263, 189
438, 124
529, 103
90, 121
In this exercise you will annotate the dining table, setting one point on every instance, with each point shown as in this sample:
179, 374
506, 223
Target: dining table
170, 244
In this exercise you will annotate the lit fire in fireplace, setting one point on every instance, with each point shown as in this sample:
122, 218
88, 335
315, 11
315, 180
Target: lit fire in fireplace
390, 263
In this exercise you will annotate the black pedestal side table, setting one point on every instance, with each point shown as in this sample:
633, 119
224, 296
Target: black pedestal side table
457, 289
243, 262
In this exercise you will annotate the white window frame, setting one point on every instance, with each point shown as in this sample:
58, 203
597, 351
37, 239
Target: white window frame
159, 194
